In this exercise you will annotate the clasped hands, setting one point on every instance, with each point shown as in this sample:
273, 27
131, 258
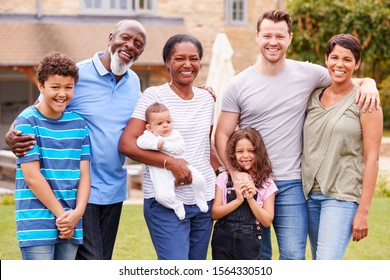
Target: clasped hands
245, 189
66, 223
243, 184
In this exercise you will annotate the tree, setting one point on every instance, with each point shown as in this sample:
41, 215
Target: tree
315, 22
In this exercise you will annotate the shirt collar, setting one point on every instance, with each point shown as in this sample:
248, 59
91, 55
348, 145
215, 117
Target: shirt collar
100, 67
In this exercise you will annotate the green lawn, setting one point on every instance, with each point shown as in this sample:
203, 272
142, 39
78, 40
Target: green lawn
386, 132
133, 241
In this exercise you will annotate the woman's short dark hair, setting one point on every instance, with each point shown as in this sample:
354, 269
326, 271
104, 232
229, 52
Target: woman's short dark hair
346, 41
177, 39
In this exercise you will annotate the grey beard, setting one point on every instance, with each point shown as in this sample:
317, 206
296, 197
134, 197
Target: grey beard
118, 68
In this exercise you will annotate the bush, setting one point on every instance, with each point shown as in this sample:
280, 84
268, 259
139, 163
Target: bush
382, 185
7, 199
384, 89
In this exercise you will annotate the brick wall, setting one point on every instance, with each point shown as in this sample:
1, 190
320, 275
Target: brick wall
18, 6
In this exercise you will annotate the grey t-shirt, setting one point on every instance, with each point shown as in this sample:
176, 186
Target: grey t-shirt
275, 106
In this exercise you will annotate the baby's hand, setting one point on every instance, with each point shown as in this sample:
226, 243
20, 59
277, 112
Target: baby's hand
160, 143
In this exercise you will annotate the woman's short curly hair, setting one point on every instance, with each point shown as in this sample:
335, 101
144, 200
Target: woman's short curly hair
57, 64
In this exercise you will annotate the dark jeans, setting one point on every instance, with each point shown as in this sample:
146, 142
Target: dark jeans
100, 225
233, 241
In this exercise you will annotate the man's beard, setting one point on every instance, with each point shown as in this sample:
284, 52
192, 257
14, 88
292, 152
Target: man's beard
118, 67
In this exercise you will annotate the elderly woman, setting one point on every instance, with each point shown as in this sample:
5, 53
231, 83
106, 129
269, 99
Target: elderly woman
340, 155
192, 111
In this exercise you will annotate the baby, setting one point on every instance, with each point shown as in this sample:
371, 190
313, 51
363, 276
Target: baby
160, 135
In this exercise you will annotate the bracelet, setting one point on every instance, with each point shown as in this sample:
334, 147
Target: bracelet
165, 162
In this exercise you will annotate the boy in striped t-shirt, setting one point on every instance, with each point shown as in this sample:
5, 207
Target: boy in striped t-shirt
52, 179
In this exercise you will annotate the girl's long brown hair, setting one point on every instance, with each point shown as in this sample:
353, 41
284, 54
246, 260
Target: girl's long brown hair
262, 167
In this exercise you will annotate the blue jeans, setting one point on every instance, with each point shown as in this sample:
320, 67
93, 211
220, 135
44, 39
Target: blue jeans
173, 239
50, 252
330, 226
290, 223
100, 226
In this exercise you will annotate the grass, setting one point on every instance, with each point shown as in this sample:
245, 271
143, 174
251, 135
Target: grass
386, 132
133, 241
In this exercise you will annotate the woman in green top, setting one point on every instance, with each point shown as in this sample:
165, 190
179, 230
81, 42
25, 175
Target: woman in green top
340, 155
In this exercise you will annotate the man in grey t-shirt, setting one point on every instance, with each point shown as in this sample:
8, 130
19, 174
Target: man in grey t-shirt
271, 97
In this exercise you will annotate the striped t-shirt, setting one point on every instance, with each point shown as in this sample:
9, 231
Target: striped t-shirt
193, 119
61, 144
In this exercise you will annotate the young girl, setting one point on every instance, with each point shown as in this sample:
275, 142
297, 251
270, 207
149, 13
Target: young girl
242, 210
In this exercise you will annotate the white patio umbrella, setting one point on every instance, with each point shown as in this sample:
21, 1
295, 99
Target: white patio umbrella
221, 70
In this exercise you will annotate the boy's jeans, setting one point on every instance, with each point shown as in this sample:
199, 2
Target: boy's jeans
50, 252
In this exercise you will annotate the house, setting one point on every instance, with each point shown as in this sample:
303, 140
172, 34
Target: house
29, 29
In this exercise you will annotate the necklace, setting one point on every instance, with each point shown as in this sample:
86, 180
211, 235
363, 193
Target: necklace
334, 97
176, 90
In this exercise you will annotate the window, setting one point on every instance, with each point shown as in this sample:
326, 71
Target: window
93, 4
14, 97
236, 12
143, 5
118, 7
119, 4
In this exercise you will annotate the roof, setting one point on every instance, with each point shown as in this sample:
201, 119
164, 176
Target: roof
25, 42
